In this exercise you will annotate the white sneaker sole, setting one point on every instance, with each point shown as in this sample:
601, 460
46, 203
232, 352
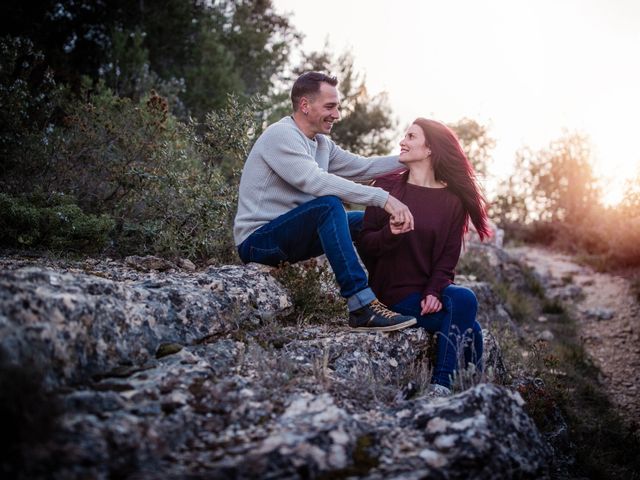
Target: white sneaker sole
390, 328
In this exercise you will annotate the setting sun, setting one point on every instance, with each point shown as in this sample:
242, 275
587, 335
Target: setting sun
615, 159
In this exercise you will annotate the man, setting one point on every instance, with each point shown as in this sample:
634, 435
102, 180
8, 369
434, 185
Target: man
290, 199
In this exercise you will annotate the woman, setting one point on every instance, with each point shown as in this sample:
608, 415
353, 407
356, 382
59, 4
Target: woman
413, 271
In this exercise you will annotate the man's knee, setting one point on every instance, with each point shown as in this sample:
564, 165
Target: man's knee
330, 201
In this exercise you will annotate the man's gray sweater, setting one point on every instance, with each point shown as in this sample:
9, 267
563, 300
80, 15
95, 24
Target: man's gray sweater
286, 169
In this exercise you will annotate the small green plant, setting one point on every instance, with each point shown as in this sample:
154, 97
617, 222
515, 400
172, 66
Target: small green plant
532, 282
540, 358
313, 290
567, 278
478, 266
518, 304
553, 306
540, 402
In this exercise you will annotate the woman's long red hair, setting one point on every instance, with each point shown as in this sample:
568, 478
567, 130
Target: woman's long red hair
451, 166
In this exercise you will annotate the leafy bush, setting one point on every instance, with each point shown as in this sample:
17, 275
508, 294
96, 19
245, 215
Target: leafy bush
29, 98
109, 147
170, 187
54, 222
606, 239
187, 203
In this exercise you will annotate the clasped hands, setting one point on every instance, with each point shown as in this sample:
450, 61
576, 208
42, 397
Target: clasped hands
400, 217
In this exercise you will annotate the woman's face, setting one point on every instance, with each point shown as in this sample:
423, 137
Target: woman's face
412, 146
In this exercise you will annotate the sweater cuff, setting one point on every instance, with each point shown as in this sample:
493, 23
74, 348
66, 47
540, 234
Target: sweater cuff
387, 237
380, 198
431, 291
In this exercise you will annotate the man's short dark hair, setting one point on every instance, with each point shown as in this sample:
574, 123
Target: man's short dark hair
309, 84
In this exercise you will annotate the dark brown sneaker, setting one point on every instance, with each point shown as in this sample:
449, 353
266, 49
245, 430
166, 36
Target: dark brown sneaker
377, 317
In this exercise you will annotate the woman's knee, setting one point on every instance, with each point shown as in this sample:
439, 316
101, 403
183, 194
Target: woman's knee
462, 297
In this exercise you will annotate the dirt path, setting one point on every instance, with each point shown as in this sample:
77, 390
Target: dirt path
608, 318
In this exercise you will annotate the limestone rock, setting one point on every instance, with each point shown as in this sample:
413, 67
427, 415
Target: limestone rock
600, 313
74, 325
186, 264
483, 433
149, 262
197, 375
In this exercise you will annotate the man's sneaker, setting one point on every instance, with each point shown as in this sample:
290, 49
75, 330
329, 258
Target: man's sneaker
377, 317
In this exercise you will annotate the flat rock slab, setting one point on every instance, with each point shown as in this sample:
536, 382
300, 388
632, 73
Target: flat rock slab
74, 325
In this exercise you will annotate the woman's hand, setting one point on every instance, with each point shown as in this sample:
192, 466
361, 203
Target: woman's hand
397, 228
430, 304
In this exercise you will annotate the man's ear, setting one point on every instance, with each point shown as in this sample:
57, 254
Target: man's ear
304, 105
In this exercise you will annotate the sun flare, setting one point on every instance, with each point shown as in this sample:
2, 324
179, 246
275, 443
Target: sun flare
615, 164
529, 70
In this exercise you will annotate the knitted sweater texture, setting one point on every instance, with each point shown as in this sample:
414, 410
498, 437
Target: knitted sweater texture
286, 169
421, 261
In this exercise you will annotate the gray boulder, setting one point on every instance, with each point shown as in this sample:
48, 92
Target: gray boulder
73, 325
197, 375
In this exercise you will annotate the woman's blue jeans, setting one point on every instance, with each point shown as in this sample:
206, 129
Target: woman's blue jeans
309, 230
455, 325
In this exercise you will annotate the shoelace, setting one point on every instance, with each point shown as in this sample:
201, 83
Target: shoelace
381, 309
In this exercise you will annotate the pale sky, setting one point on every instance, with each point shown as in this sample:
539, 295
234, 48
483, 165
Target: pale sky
527, 69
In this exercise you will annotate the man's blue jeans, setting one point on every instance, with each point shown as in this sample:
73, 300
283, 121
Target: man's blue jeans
455, 325
316, 227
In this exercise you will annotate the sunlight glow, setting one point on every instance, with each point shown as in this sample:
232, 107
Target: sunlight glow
529, 70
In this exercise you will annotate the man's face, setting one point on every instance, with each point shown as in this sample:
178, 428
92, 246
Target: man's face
324, 109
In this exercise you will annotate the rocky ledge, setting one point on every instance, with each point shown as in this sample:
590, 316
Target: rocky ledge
120, 370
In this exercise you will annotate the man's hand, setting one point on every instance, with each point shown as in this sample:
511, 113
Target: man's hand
401, 220
430, 304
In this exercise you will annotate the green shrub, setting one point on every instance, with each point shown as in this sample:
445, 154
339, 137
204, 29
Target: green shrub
54, 222
202, 190
519, 304
28, 99
109, 147
532, 282
188, 201
171, 189
313, 289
